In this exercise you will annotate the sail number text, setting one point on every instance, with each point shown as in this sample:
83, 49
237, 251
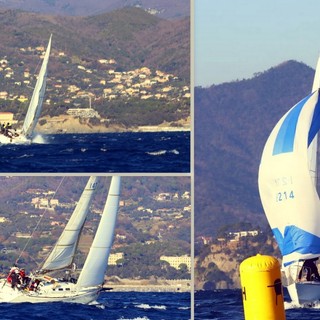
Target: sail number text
282, 196
283, 181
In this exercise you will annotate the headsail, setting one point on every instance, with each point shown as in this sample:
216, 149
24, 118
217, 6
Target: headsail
287, 189
63, 252
94, 269
35, 105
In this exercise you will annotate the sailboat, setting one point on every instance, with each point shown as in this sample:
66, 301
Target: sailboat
26, 134
287, 185
43, 286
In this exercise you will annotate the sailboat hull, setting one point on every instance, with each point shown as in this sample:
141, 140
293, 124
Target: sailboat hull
304, 292
21, 139
65, 292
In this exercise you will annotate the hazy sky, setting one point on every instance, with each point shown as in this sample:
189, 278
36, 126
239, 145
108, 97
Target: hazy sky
235, 38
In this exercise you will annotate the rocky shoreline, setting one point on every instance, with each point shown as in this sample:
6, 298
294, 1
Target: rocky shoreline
69, 124
124, 285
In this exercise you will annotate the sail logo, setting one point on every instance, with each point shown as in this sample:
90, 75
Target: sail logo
283, 181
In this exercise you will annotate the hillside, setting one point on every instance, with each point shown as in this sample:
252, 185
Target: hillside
133, 67
165, 8
132, 36
153, 220
232, 123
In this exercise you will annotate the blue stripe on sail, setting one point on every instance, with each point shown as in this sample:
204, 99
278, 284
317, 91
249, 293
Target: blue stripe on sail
296, 240
285, 137
315, 124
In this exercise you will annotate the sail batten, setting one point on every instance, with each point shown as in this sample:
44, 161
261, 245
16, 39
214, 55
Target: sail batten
63, 253
36, 101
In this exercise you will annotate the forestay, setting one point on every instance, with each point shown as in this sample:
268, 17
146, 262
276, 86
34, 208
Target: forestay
286, 185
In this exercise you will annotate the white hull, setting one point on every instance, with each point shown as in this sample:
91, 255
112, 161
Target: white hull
21, 139
304, 292
64, 292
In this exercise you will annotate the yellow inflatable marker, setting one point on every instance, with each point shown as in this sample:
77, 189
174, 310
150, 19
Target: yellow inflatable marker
262, 292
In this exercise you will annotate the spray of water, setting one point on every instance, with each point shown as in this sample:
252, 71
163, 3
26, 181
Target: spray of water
39, 139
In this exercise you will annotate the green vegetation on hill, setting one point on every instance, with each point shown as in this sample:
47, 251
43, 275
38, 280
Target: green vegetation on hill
143, 261
134, 66
148, 225
130, 35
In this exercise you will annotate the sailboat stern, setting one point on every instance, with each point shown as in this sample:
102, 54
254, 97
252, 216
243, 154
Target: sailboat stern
304, 292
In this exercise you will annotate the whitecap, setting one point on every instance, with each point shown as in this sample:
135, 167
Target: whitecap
157, 153
296, 305
139, 318
97, 304
160, 307
174, 151
25, 156
147, 306
67, 150
183, 308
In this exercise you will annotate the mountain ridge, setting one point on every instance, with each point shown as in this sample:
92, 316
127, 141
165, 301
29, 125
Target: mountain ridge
131, 35
232, 123
164, 9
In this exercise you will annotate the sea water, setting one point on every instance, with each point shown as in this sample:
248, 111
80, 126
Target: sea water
147, 152
227, 305
111, 306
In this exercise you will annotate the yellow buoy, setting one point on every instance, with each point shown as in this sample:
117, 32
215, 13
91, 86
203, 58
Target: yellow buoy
262, 292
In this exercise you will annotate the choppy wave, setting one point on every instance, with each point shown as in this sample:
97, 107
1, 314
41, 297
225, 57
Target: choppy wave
109, 152
161, 152
157, 153
109, 305
227, 304
147, 306
293, 305
139, 318
26, 156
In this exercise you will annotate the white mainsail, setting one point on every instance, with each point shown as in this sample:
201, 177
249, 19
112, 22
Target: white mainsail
35, 105
95, 266
63, 253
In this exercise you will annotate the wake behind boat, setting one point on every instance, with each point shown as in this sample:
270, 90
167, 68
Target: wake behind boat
42, 286
287, 186
26, 134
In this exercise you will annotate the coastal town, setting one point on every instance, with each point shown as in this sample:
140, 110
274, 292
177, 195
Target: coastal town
81, 88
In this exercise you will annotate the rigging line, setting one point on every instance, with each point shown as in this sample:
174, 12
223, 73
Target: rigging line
35, 228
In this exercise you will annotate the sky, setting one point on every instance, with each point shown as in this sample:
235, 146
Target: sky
233, 39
